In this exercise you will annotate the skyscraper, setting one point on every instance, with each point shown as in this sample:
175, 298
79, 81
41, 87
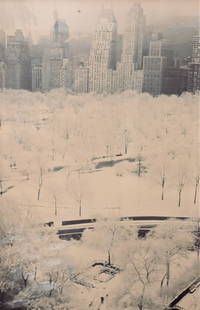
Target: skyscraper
2, 59
2, 45
2, 75
36, 66
66, 74
194, 66
54, 54
155, 64
18, 66
81, 78
103, 53
133, 37
61, 36
160, 47
132, 48
154, 67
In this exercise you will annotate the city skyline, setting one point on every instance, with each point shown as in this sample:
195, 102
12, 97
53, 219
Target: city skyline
142, 58
36, 18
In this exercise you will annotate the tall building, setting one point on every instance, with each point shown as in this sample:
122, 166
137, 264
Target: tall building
155, 65
2, 45
18, 65
55, 52
66, 74
36, 77
61, 36
132, 49
175, 80
2, 59
103, 53
36, 66
2, 75
81, 79
194, 66
161, 47
154, 70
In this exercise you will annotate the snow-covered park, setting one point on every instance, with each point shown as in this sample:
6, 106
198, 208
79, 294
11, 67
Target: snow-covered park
70, 144
65, 157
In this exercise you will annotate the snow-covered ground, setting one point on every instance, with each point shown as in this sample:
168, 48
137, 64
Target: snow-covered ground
65, 138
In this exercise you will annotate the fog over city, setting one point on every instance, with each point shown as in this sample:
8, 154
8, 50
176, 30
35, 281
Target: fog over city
99, 155
36, 17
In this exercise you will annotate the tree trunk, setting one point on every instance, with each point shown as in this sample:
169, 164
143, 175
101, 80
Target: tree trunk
109, 258
125, 142
107, 150
126, 148
139, 168
50, 292
38, 197
40, 184
80, 208
55, 206
140, 305
1, 187
179, 198
162, 196
25, 279
195, 193
35, 273
163, 187
168, 273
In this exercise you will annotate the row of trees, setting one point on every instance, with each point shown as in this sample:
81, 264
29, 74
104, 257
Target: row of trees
39, 268
149, 265
41, 131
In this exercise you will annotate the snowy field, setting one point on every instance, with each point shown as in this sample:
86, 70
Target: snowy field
65, 157
85, 152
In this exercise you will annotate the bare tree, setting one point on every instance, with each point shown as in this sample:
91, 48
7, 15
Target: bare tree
53, 278
78, 196
1, 187
163, 181
55, 205
181, 184
53, 150
25, 277
143, 282
196, 235
139, 166
40, 182
111, 244
197, 180
77, 193
107, 149
126, 141
172, 238
144, 262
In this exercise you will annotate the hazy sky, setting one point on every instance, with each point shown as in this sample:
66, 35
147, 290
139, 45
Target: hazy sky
37, 16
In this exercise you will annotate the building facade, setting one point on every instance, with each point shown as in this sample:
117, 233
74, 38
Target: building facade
175, 80
36, 77
18, 65
102, 58
81, 79
2, 45
66, 74
2, 75
154, 70
53, 64
194, 66
132, 50
156, 64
